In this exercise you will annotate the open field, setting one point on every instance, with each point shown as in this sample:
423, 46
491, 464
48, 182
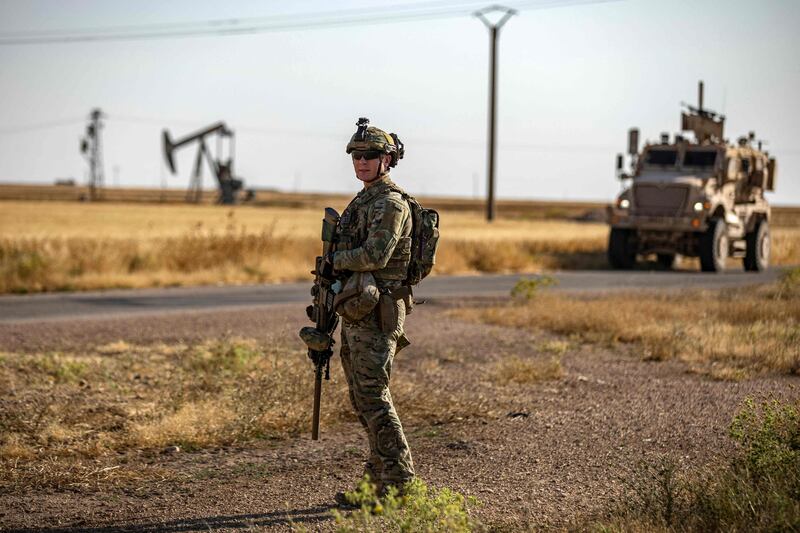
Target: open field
545, 409
60, 245
727, 334
268, 198
48, 246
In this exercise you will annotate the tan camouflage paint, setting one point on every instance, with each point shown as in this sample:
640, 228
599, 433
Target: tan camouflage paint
375, 139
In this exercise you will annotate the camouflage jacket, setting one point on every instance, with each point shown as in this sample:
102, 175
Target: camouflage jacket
375, 234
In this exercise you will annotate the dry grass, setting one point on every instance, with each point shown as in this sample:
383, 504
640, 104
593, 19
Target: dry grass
102, 246
75, 419
522, 370
52, 246
785, 245
90, 246
728, 334
471, 245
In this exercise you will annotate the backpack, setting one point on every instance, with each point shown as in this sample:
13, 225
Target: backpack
424, 240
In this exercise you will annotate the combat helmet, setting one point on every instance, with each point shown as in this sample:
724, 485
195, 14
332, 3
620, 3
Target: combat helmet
369, 137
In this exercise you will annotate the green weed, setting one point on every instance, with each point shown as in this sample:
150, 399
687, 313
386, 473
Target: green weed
61, 368
224, 356
527, 288
419, 508
758, 489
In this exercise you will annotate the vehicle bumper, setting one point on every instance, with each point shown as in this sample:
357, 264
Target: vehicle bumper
621, 219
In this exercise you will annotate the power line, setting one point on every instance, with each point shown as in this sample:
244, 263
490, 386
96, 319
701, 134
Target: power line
451, 143
40, 126
232, 21
277, 23
271, 132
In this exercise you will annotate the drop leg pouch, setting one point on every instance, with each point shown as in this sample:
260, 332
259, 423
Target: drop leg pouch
388, 314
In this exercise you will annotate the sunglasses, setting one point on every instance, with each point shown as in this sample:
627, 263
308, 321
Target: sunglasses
365, 154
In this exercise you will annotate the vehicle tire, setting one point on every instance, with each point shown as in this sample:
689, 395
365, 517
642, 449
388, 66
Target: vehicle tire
666, 261
756, 257
714, 247
621, 254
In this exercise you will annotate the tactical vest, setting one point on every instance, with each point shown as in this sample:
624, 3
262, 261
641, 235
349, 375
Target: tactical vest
353, 227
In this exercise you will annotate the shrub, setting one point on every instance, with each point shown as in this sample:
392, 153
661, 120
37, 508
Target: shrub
419, 508
758, 489
526, 288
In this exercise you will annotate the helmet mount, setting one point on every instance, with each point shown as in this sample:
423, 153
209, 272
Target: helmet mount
369, 137
361, 132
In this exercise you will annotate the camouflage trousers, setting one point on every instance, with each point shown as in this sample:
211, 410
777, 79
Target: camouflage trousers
367, 355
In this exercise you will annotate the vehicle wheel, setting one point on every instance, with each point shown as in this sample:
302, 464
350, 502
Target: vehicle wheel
756, 257
714, 247
621, 253
666, 261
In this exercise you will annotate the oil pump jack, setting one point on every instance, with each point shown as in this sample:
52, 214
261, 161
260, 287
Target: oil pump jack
222, 170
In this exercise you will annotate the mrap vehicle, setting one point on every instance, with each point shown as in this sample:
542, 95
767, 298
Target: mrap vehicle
698, 197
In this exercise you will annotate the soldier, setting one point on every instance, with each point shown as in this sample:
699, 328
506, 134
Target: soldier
375, 238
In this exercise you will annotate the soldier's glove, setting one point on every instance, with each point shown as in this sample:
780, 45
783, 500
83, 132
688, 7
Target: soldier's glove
328, 272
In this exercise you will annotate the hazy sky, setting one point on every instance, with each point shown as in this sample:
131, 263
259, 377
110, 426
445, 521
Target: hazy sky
572, 80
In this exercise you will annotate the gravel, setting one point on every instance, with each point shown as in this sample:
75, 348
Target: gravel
542, 455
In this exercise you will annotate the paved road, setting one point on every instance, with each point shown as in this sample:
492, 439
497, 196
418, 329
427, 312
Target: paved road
117, 303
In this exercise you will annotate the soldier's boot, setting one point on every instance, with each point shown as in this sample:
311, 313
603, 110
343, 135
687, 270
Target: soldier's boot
372, 471
344, 502
396, 485
354, 501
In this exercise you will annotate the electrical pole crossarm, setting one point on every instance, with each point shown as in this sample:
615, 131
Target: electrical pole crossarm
507, 14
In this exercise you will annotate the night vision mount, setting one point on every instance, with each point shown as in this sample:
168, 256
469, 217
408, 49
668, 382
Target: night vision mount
361, 135
361, 132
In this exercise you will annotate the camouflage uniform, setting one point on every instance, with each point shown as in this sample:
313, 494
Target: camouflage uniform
375, 236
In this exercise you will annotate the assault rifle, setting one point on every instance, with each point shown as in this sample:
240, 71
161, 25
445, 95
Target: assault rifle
319, 338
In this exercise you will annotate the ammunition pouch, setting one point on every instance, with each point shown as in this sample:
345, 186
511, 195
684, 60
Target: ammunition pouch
358, 297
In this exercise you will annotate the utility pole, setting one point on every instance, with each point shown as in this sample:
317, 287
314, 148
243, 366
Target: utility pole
92, 149
494, 31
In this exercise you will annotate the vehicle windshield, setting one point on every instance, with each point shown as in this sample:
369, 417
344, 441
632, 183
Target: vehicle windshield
699, 158
661, 158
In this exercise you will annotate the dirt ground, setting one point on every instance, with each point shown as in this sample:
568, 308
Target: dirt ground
538, 455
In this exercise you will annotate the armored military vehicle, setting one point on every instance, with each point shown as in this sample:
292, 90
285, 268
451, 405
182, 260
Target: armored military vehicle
699, 197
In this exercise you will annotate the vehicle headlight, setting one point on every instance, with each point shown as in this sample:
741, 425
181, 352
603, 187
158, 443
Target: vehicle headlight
698, 206
624, 203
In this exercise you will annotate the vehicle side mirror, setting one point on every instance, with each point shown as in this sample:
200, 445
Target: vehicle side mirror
633, 141
620, 163
771, 170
